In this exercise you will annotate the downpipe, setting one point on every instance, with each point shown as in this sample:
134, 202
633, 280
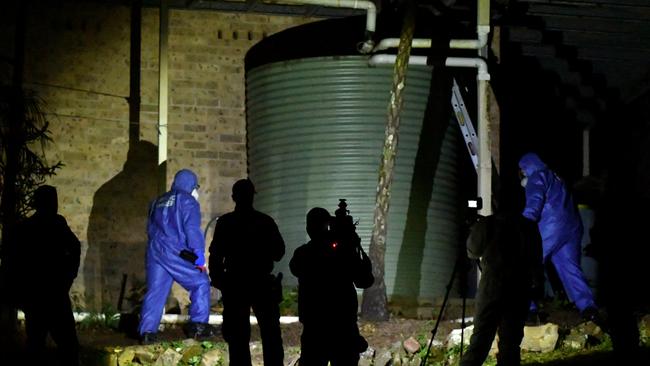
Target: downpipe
371, 15
467, 44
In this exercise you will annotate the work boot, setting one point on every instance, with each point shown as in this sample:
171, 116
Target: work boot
149, 338
199, 330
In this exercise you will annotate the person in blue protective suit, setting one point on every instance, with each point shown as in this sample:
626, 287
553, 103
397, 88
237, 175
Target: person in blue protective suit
175, 252
549, 204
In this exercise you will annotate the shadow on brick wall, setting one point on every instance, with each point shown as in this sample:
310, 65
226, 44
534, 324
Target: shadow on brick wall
117, 230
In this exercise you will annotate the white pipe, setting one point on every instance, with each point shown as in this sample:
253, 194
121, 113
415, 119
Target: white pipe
166, 318
469, 44
369, 6
387, 43
383, 59
482, 32
475, 62
484, 186
163, 83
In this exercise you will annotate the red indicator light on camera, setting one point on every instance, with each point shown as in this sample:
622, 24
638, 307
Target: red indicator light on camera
334, 245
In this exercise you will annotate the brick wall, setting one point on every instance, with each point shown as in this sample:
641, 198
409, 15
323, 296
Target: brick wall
78, 59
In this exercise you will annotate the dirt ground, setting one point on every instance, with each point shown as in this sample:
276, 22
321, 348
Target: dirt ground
378, 335
95, 339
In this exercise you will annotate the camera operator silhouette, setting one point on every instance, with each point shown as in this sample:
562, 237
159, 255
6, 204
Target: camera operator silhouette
245, 245
328, 268
49, 252
510, 252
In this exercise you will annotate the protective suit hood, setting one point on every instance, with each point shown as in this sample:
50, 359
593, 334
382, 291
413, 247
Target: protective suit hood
530, 163
185, 180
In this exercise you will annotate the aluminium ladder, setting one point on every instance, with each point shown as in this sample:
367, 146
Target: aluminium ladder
465, 124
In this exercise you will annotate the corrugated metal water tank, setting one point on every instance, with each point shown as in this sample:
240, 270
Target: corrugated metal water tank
315, 134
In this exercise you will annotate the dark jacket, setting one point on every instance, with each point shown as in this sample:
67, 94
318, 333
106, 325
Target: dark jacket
327, 276
510, 251
246, 243
48, 253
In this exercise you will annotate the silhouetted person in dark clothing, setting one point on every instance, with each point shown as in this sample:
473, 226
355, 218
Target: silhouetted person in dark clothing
328, 268
49, 251
509, 247
245, 245
620, 242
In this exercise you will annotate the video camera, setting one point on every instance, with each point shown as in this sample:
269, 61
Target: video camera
474, 205
342, 225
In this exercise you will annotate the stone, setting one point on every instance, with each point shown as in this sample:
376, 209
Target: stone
126, 357
435, 344
144, 354
382, 358
192, 352
292, 360
366, 357
367, 328
415, 361
168, 358
364, 361
411, 346
112, 360
257, 357
188, 342
368, 353
542, 338
584, 335
574, 340
453, 339
213, 357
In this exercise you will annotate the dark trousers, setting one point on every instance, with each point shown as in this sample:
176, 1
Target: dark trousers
330, 342
237, 304
506, 316
51, 314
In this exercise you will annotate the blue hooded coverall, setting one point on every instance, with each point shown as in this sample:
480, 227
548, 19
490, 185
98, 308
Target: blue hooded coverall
549, 204
174, 225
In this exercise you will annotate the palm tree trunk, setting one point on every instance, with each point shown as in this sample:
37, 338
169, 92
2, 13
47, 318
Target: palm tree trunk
374, 305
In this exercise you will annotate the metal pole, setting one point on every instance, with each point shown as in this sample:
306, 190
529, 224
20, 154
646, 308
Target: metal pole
135, 73
163, 96
484, 155
484, 188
